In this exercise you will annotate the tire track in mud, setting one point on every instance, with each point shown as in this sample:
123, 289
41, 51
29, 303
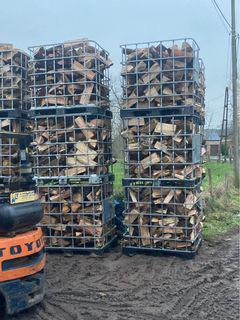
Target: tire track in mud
118, 287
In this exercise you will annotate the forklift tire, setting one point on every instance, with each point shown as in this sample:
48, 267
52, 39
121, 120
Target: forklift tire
2, 306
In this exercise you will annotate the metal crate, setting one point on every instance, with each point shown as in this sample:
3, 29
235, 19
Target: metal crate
162, 73
13, 78
163, 147
9, 147
162, 218
69, 73
79, 216
71, 142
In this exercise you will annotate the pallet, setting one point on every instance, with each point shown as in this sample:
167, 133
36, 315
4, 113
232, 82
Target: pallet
131, 251
90, 109
87, 250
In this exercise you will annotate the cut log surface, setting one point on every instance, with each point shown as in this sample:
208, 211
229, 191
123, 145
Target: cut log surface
159, 75
70, 73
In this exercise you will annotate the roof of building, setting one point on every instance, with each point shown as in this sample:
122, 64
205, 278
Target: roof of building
212, 135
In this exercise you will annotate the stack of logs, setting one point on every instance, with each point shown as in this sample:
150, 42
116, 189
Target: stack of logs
163, 116
72, 149
69, 73
9, 147
13, 78
14, 101
162, 74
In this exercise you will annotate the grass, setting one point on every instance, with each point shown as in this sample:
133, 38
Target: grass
222, 213
219, 172
118, 170
221, 210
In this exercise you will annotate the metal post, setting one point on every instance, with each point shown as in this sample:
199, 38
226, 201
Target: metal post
234, 99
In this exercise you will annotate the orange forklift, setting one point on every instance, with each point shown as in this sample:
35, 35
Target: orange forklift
22, 254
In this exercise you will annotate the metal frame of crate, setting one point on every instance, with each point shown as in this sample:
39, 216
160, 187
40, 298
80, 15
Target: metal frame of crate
78, 216
10, 121
71, 142
164, 219
163, 116
13, 78
162, 145
162, 73
69, 73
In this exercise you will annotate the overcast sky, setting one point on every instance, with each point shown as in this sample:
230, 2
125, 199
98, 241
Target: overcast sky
114, 22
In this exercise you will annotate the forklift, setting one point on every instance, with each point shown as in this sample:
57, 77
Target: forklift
22, 253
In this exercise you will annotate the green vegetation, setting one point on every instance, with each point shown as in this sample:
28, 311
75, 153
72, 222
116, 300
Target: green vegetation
219, 172
118, 171
222, 213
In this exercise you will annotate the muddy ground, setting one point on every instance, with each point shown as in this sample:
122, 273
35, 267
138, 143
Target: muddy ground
117, 287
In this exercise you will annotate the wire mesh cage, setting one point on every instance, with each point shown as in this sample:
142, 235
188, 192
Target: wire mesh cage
163, 147
75, 144
14, 93
164, 219
69, 73
9, 147
78, 216
162, 73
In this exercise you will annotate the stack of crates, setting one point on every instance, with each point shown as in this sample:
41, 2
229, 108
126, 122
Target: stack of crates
163, 118
13, 108
72, 152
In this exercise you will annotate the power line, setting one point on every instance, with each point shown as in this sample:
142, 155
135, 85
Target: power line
221, 16
225, 19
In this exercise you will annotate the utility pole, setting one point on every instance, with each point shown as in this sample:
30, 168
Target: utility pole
224, 130
234, 98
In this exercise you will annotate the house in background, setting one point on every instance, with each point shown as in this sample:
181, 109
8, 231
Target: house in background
212, 143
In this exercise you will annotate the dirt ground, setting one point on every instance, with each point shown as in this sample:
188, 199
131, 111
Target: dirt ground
117, 287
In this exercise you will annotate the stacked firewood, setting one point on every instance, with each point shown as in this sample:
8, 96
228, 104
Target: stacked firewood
72, 145
163, 217
157, 147
74, 215
70, 73
72, 150
13, 75
163, 116
9, 147
162, 74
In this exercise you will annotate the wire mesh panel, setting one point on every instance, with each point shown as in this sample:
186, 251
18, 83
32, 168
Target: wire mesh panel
163, 147
162, 73
77, 216
13, 78
9, 147
76, 144
69, 73
165, 219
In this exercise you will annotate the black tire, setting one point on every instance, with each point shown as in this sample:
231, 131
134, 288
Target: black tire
2, 306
